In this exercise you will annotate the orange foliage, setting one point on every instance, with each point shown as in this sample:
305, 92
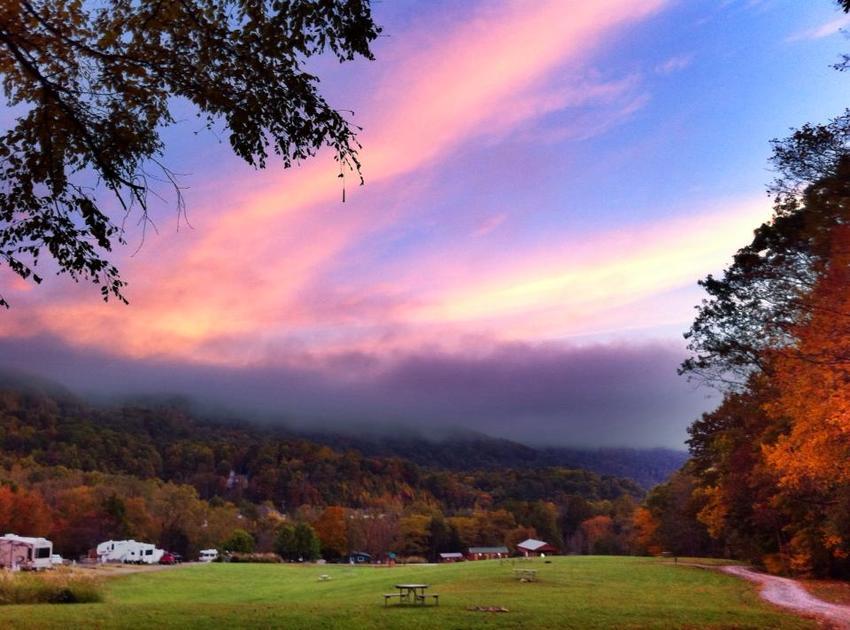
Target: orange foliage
646, 527
23, 513
814, 385
597, 529
332, 531
813, 382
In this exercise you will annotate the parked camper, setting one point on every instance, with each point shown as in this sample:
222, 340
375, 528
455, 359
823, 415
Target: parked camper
208, 555
23, 553
113, 550
144, 553
130, 551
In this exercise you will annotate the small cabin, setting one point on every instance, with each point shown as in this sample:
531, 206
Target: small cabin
534, 547
25, 553
487, 553
451, 556
359, 557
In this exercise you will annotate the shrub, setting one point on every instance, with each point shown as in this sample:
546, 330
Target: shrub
56, 587
240, 541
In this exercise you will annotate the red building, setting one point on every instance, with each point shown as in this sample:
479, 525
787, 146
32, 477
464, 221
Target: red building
487, 553
532, 547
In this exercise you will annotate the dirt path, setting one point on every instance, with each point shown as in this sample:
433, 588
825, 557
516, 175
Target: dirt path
791, 594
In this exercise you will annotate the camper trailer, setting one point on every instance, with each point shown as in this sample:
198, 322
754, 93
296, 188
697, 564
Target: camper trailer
23, 553
208, 555
145, 553
113, 550
130, 551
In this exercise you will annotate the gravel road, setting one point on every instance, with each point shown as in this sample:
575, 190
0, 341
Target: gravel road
791, 594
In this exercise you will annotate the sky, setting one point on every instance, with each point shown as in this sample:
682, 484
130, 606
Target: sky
545, 182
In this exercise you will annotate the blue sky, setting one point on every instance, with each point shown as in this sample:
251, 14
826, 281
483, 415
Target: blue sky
545, 184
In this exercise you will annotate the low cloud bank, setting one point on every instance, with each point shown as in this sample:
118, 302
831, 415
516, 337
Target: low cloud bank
543, 394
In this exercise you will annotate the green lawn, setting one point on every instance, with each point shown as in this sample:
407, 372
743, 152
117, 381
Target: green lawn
572, 592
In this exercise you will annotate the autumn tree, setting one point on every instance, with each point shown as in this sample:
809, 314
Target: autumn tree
754, 309
645, 529
332, 529
674, 507
813, 384
94, 84
599, 534
414, 534
382, 534
23, 513
769, 471
813, 399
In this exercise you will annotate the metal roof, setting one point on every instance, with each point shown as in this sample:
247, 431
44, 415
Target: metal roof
533, 544
501, 549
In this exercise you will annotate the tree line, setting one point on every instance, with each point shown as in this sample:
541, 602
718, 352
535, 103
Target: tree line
768, 479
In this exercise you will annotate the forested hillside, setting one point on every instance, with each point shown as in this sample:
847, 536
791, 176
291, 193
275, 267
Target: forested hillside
466, 450
99, 472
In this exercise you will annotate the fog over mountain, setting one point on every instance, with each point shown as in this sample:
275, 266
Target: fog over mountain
606, 395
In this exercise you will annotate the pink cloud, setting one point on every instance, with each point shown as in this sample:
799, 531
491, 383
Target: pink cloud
539, 292
261, 246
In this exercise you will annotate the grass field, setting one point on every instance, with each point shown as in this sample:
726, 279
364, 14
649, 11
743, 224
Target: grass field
572, 592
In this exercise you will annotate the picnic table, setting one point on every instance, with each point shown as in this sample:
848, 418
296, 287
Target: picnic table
529, 575
411, 594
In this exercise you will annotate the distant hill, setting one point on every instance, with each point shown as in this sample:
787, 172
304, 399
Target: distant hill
83, 473
243, 461
467, 450
455, 450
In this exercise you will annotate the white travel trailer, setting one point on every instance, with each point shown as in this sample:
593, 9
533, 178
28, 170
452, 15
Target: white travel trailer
113, 550
208, 555
128, 551
145, 553
23, 553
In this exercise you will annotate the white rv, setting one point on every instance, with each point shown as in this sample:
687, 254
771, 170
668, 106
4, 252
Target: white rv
113, 550
23, 553
145, 553
128, 551
208, 555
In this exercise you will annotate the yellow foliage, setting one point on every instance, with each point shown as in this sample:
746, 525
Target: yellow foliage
713, 515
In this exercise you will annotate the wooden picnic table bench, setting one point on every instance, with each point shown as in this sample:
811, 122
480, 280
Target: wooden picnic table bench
412, 594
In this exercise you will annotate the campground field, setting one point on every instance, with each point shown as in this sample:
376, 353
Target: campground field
571, 592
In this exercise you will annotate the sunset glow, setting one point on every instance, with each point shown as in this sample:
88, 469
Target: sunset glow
535, 173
